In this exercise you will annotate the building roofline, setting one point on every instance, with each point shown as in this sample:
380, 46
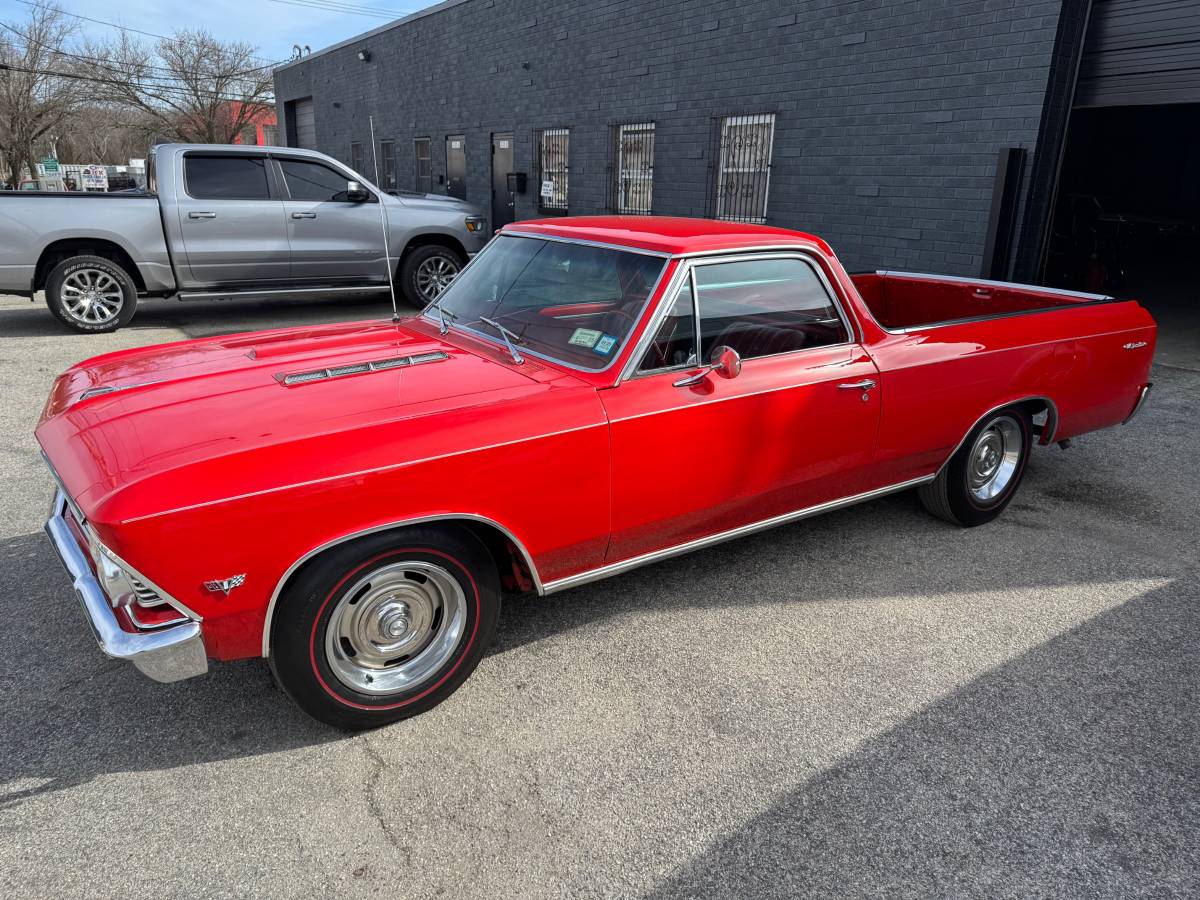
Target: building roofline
358, 38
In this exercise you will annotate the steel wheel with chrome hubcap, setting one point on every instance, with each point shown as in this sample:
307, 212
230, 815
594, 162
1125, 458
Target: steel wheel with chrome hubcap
395, 627
91, 294
979, 480
385, 627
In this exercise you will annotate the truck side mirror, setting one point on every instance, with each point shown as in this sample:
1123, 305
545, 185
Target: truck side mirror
355, 192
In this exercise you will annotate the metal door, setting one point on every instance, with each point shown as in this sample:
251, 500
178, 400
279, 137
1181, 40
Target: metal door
504, 201
456, 166
306, 124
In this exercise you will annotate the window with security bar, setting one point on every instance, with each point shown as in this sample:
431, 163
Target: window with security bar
742, 157
631, 191
356, 157
553, 155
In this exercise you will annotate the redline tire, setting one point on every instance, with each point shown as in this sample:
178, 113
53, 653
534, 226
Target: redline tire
428, 597
112, 288
968, 491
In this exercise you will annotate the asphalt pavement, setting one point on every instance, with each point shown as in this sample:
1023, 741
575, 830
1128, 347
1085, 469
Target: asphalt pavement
869, 703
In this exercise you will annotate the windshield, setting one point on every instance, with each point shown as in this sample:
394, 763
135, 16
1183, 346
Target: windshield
571, 302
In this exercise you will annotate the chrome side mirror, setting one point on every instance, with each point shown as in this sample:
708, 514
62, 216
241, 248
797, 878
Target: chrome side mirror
723, 360
355, 192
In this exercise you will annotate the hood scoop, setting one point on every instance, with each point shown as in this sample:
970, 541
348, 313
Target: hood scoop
291, 379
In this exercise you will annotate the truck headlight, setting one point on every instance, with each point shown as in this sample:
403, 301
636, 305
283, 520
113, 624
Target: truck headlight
476, 224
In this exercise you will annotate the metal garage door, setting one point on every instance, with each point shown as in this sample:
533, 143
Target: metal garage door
306, 124
1139, 52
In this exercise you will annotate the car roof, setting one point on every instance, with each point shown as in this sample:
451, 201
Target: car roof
671, 235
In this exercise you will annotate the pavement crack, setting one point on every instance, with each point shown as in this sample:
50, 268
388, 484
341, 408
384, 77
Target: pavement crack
376, 766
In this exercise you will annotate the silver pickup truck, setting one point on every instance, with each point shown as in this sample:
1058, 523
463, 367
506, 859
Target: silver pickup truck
230, 221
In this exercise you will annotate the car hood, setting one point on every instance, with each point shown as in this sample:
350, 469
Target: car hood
134, 432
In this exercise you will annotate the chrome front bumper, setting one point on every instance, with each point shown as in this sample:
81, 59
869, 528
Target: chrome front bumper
169, 654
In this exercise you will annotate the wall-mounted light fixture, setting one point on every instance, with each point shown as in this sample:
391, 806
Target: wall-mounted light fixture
364, 55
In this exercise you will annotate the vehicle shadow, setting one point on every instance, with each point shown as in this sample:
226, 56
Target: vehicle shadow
24, 319
1071, 770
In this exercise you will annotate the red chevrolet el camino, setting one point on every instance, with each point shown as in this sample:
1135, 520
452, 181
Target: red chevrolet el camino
590, 395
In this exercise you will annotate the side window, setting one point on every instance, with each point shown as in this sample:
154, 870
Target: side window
226, 177
312, 180
766, 306
675, 343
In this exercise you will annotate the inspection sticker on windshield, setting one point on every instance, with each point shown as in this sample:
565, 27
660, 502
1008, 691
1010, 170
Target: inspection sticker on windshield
605, 344
584, 337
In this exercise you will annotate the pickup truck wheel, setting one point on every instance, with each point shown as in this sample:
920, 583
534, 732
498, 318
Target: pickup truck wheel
426, 272
91, 294
387, 627
984, 473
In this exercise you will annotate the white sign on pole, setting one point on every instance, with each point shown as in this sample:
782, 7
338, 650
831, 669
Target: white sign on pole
95, 178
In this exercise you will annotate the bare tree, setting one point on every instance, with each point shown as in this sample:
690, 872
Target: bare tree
104, 133
192, 88
36, 94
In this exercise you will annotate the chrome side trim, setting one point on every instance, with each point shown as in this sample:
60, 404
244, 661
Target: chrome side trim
444, 517
252, 294
167, 654
1089, 300
1047, 435
1143, 393
984, 282
617, 568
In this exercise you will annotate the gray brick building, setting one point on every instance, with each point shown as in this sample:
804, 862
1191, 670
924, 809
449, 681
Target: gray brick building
916, 134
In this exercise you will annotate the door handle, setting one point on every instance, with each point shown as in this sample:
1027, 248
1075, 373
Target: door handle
202, 215
865, 385
304, 215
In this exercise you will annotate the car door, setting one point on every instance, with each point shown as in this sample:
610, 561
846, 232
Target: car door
694, 453
231, 220
333, 238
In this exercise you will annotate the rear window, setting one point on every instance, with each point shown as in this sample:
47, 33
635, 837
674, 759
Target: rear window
226, 177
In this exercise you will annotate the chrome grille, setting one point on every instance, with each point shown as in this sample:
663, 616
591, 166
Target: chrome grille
146, 596
378, 365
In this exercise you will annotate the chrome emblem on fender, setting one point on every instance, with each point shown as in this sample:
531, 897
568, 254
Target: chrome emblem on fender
225, 585
1133, 345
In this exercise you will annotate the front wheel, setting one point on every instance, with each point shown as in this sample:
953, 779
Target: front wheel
387, 627
427, 271
983, 475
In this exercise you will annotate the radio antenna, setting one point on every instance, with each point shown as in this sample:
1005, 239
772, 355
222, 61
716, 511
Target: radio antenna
387, 252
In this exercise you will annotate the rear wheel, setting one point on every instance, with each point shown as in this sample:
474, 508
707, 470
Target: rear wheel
984, 473
91, 294
387, 627
427, 271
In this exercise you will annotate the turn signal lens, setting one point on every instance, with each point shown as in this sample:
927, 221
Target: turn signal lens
476, 225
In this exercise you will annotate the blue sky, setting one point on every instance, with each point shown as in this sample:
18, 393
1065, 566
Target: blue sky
270, 25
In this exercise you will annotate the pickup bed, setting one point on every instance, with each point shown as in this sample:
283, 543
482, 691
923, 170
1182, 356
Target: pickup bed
589, 396
230, 221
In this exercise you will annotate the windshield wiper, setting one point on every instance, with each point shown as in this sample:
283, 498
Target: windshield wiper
442, 314
505, 333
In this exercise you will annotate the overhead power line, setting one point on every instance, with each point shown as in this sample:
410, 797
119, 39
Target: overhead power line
108, 64
177, 90
270, 64
347, 8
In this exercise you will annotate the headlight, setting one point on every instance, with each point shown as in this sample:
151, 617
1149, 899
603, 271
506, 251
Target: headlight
476, 224
116, 582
